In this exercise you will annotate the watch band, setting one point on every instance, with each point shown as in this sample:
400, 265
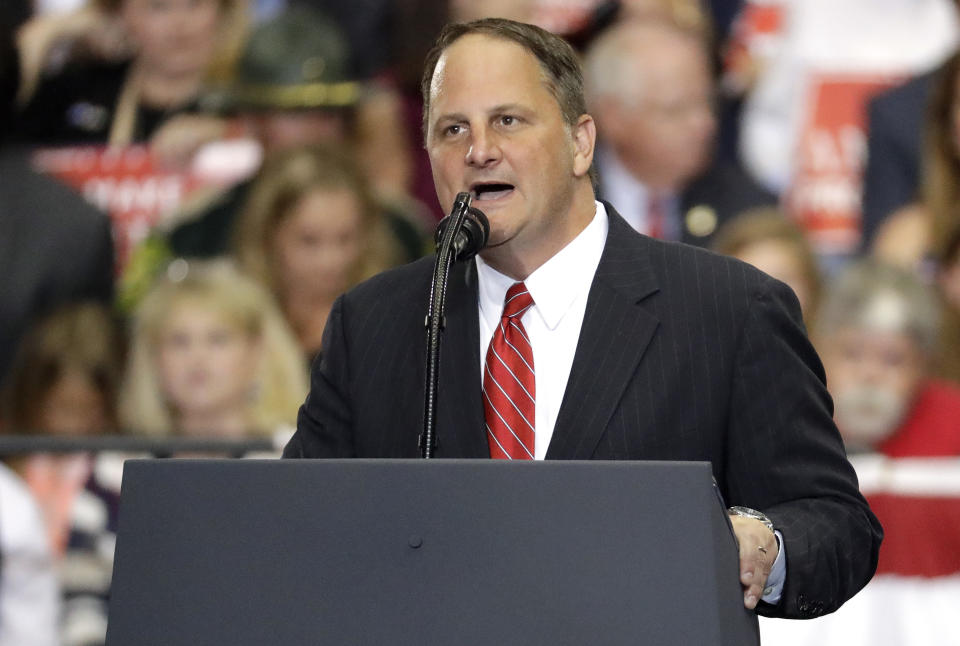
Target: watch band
739, 510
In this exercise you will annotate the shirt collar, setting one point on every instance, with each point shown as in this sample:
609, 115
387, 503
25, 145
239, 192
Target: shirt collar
557, 283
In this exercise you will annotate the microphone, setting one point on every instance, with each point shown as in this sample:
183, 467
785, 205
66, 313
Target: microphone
459, 236
473, 233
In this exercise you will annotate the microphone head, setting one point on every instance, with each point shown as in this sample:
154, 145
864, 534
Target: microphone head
472, 236
477, 227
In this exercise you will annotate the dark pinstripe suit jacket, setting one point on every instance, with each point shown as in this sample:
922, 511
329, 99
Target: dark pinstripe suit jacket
683, 355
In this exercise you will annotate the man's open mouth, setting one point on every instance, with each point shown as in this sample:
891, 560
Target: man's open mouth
485, 192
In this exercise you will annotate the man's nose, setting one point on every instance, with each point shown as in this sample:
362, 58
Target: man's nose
484, 149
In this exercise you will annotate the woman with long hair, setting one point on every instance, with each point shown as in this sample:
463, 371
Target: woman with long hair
211, 356
64, 381
926, 236
311, 230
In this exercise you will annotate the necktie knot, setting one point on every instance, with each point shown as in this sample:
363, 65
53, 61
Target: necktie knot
517, 301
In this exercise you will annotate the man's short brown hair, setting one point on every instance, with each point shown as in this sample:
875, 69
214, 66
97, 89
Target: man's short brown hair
561, 68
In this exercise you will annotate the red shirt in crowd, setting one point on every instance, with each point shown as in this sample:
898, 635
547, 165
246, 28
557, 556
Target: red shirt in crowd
933, 427
917, 504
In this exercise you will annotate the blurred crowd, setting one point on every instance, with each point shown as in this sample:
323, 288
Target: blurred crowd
186, 186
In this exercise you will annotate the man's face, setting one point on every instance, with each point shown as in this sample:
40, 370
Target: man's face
494, 129
666, 134
284, 129
873, 376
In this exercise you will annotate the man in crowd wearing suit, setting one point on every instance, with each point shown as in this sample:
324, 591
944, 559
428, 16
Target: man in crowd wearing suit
574, 337
650, 89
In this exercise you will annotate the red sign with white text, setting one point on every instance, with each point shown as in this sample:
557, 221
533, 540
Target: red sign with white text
825, 196
136, 191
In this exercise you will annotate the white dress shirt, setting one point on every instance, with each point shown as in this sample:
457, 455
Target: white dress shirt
559, 289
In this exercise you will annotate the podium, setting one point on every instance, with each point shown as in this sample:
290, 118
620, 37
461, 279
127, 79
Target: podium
423, 552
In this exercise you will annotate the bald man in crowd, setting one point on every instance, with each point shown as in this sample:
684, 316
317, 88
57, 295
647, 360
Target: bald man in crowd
650, 89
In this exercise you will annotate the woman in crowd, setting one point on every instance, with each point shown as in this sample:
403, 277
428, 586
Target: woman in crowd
65, 377
64, 381
926, 236
210, 356
947, 361
777, 246
310, 231
177, 46
922, 230
940, 190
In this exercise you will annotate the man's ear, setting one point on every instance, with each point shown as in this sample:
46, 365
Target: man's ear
584, 142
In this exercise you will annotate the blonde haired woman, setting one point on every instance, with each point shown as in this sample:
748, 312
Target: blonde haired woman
211, 356
311, 230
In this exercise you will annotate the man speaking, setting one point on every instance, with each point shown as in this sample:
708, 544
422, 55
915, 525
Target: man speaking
573, 337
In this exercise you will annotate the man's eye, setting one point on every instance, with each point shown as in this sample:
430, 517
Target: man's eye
454, 129
508, 120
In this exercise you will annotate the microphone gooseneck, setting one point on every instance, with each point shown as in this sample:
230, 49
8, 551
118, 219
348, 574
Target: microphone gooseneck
459, 236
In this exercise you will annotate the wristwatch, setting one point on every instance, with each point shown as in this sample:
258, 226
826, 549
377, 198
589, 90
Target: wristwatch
751, 513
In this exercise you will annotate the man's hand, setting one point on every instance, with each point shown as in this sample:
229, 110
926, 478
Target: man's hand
758, 551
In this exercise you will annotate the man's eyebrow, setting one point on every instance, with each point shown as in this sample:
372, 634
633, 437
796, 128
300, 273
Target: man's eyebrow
497, 109
507, 107
453, 116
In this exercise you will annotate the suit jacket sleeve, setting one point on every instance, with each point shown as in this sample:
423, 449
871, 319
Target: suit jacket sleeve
786, 458
324, 423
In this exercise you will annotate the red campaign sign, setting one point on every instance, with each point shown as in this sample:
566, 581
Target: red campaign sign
123, 182
137, 192
825, 195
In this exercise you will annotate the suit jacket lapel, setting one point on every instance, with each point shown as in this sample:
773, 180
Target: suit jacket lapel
613, 338
460, 429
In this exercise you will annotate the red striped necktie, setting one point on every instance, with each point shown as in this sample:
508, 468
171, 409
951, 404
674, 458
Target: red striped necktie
509, 383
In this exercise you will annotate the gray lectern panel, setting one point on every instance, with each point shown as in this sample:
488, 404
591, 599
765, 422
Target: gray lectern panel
239, 552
